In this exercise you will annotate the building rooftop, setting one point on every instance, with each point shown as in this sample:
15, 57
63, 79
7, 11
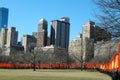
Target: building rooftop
42, 20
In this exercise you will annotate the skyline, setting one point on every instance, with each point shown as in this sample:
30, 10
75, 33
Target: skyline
24, 15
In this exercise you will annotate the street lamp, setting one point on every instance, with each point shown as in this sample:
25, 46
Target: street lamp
34, 64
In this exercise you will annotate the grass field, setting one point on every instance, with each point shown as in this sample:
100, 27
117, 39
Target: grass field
29, 74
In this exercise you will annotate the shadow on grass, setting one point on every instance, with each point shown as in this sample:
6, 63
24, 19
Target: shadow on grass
115, 75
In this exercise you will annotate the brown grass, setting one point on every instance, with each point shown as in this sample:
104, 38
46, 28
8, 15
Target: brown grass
28, 74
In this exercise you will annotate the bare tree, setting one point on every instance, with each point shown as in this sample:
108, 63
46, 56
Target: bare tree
33, 57
104, 51
5, 59
110, 16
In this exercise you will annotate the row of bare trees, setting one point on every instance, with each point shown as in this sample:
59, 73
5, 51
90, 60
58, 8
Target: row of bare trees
109, 16
35, 56
109, 19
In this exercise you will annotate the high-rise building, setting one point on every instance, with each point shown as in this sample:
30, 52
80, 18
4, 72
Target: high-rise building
8, 37
8, 40
60, 33
3, 36
28, 42
42, 33
91, 34
3, 17
92, 31
12, 36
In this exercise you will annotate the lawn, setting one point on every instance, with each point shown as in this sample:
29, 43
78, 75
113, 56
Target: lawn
29, 74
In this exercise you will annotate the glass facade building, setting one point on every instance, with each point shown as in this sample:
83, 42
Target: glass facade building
60, 30
3, 17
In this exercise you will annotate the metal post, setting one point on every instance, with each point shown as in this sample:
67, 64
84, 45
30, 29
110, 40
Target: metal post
34, 68
34, 64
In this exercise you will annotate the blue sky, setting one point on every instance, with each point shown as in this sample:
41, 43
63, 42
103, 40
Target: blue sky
25, 14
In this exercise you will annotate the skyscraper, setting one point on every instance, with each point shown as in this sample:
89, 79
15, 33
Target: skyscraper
92, 31
8, 40
91, 34
3, 17
12, 36
60, 33
42, 33
28, 42
9, 37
